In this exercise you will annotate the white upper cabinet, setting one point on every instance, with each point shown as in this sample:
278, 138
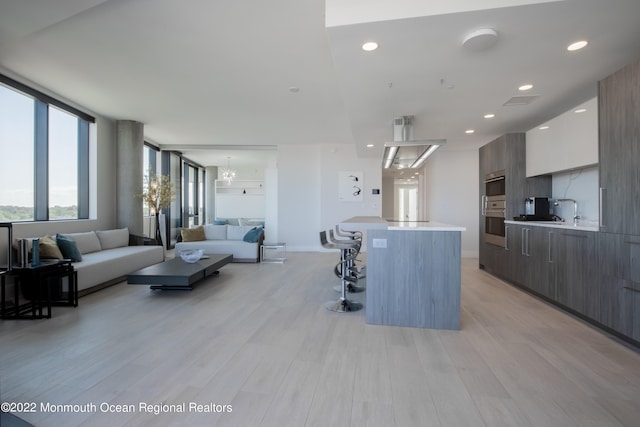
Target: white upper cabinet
566, 142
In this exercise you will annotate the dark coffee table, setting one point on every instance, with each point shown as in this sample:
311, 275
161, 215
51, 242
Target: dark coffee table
177, 275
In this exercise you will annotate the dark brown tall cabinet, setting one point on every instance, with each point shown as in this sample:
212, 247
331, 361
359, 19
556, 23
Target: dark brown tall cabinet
619, 151
619, 168
507, 153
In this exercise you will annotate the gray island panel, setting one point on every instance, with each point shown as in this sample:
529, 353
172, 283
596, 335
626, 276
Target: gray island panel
415, 280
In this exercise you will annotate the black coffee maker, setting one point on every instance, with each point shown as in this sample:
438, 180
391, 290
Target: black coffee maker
537, 209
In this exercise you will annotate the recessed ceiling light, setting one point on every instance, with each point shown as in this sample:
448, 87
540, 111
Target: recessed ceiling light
369, 46
543, 127
526, 87
580, 110
577, 45
469, 131
370, 145
489, 116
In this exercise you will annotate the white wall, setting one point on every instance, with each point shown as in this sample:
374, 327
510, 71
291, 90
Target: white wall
308, 191
340, 158
298, 196
451, 182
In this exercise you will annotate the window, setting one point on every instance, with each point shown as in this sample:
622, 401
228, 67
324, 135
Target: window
47, 177
63, 175
16, 137
150, 161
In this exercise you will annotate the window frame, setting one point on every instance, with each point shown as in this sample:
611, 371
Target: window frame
42, 102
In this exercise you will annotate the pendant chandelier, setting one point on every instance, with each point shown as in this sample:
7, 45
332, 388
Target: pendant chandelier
228, 174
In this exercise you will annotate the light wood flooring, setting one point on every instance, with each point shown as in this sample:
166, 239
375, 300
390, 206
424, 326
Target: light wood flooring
258, 338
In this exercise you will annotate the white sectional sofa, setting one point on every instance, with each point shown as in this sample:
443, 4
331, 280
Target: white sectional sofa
226, 239
107, 257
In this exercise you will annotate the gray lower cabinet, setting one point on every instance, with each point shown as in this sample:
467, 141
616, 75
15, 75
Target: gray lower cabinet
511, 253
575, 270
539, 275
619, 278
531, 266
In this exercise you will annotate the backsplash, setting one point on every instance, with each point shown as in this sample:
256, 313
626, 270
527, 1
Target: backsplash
582, 186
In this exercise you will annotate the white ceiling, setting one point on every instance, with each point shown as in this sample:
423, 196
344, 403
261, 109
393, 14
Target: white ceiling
207, 73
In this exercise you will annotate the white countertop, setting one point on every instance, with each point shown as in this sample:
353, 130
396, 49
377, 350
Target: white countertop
359, 223
423, 226
375, 222
582, 226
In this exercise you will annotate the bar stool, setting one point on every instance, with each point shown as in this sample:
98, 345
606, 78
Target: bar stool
348, 255
361, 272
343, 304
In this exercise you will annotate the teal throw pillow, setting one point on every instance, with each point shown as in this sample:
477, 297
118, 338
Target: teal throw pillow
220, 222
68, 248
252, 235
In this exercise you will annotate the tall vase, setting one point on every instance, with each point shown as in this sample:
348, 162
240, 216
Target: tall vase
158, 234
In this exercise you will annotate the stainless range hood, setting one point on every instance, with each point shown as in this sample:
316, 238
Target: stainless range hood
405, 151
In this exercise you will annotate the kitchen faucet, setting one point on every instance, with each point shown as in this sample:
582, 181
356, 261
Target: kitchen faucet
576, 217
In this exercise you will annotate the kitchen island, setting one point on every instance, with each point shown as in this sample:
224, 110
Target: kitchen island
413, 272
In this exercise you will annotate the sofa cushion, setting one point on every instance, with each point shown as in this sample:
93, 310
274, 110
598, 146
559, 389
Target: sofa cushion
215, 232
49, 248
68, 248
220, 222
86, 242
195, 234
237, 232
253, 235
110, 239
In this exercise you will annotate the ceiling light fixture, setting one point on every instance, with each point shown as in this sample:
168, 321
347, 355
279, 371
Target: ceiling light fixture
228, 174
469, 131
489, 116
369, 46
405, 151
580, 110
543, 127
480, 40
424, 156
577, 45
389, 155
370, 145
526, 87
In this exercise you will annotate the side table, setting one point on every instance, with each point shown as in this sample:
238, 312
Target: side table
273, 252
37, 288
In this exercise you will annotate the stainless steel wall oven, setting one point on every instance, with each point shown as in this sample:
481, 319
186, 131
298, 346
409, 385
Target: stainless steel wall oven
494, 204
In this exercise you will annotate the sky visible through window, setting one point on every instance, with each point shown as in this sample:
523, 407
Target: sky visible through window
17, 143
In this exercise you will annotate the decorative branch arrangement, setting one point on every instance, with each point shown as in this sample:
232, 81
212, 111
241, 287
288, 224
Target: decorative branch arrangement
158, 192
